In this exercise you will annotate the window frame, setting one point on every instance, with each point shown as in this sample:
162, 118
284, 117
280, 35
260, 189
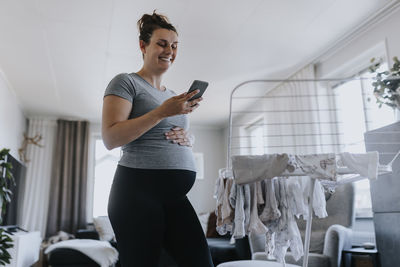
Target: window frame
244, 131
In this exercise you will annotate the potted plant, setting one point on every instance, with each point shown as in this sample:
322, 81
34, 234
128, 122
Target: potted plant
6, 177
387, 84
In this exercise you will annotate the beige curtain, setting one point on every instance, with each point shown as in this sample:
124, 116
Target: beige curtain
304, 121
296, 117
67, 207
33, 214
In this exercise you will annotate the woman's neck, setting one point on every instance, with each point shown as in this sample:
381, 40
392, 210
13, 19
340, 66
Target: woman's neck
151, 78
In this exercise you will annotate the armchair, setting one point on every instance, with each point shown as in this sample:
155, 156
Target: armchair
329, 235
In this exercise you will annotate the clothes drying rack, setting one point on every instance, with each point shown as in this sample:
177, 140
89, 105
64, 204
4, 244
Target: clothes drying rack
382, 169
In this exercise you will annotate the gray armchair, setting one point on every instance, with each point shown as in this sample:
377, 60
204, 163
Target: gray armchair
329, 235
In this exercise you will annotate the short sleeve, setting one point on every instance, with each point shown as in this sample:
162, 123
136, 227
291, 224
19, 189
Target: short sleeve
122, 86
173, 92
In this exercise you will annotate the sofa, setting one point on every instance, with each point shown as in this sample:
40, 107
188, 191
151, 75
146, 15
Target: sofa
221, 248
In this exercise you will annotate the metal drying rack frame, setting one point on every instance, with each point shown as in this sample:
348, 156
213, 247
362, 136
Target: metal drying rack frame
382, 169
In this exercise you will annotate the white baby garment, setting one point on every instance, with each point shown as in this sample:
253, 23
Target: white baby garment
365, 164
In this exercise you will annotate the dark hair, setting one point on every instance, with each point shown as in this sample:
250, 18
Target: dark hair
148, 23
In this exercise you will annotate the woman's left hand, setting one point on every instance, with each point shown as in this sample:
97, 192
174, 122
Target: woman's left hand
179, 136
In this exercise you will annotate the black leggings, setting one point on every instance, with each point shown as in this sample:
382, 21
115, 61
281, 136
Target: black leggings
149, 211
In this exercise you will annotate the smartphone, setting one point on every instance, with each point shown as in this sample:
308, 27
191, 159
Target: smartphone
197, 85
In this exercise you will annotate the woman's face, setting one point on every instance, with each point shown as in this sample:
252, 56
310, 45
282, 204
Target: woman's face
161, 51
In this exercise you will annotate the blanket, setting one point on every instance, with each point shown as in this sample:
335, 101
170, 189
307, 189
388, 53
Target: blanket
99, 251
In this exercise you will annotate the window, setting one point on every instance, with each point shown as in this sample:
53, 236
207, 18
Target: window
104, 168
255, 133
359, 113
375, 117
351, 115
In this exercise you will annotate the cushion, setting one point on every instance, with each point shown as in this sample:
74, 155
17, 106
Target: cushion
317, 241
314, 260
104, 228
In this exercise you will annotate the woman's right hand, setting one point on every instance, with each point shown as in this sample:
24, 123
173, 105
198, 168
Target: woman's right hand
179, 104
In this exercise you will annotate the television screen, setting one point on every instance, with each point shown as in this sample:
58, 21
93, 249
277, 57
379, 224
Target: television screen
18, 171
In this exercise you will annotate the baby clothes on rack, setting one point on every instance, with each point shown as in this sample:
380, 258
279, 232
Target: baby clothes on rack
319, 201
318, 166
225, 213
265, 201
255, 224
253, 212
240, 200
328, 167
270, 211
296, 197
287, 234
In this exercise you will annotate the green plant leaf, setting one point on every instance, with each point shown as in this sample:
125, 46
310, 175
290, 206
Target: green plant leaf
4, 152
385, 86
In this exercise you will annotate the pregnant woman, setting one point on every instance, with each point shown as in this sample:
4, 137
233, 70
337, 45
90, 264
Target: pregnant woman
148, 207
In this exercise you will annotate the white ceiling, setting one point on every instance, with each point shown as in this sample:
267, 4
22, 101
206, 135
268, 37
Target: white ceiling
59, 55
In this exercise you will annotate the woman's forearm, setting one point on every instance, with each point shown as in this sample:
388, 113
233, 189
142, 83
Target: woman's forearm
123, 132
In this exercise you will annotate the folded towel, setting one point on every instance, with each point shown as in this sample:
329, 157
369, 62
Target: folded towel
99, 251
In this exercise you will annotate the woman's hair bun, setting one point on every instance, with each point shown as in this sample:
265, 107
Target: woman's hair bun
148, 23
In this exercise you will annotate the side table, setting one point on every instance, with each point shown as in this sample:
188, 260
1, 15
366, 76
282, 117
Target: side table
371, 255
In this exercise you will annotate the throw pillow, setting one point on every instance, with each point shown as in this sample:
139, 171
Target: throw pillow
104, 228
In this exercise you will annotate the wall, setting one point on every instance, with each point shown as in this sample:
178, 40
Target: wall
364, 45
210, 142
12, 119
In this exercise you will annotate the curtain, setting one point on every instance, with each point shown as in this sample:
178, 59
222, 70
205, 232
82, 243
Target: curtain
33, 214
303, 118
67, 209
296, 117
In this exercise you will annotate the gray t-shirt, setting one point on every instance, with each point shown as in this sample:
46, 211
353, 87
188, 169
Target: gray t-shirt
151, 150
